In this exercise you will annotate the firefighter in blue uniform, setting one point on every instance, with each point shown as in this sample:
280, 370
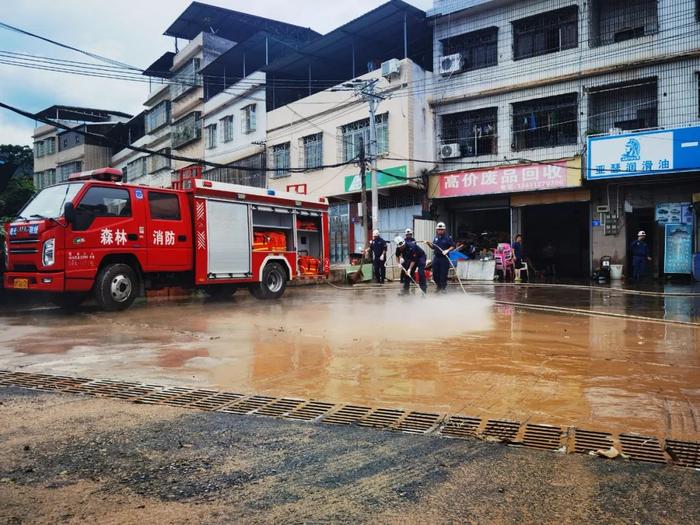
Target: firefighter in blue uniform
640, 255
442, 245
414, 257
379, 248
408, 237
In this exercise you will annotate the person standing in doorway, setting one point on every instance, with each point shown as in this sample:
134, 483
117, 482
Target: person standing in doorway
442, 245
518, 250
640, 255
378, 246
549, 254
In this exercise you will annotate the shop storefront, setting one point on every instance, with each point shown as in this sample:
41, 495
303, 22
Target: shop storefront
400, 201
646, 181
544, 202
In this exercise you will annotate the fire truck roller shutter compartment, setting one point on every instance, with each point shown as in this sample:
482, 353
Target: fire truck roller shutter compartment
228, 232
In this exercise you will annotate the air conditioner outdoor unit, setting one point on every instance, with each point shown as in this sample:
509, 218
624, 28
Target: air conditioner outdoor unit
450, 151
451, 64
391, 68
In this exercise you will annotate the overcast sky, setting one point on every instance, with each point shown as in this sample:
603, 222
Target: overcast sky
130, 31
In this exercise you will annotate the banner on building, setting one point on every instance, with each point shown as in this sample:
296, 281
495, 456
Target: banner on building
508, 179
386, 177
643, 153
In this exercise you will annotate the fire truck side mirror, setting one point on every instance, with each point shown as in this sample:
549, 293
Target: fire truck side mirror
69, 212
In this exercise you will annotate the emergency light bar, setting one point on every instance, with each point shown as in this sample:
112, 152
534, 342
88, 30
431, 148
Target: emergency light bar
103, 174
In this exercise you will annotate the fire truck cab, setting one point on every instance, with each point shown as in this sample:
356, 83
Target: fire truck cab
95, 235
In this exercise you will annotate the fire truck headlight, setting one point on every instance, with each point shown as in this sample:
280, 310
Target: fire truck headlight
48, 253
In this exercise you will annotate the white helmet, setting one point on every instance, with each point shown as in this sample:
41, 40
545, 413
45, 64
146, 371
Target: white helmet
642, 233
440, 226
375, 233
399, 241
408, 231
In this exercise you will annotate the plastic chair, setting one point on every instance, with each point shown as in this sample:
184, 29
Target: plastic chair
519, 272
505, 260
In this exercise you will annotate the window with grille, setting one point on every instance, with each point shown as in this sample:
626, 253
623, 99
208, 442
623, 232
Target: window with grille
312, 151
137, 168
356, 134
159, 162
545, 33
280, 159
210, 136
629, 106
479, 49
545, 122
614, 21
68, 169
248, 119
186, 78
474, 131
186, 129
249, 171
39, 149
50, 145
158, 116
226, 128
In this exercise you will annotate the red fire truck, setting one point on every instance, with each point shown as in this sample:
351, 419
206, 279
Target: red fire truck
95, 234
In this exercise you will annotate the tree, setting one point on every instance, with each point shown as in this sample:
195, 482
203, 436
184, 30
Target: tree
16, 185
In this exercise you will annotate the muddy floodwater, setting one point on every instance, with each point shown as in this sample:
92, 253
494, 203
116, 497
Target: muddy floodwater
473, 355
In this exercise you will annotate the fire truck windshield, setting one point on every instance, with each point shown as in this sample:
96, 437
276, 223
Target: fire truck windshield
49, 202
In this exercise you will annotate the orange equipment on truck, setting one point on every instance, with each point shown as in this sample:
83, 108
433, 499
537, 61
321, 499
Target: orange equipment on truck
93, 234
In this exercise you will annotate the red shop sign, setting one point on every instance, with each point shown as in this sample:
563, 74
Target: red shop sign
527, 177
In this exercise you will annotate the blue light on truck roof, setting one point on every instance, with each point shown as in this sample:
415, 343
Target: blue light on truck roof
270, 192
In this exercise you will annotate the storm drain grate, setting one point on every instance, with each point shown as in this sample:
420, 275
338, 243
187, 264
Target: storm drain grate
684, 453
70, 385
642, 448
280, 407
216, 401
191, 397
586, 441
26, 380
382, 418
310, 411
347, 415
247, 405
544, 437
161, 397
461, 426
502, 429
3, 375
418, 422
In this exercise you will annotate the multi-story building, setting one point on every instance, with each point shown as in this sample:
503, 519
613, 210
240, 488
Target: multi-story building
180, 82
235, 111
317, 124
59, 152
521, 86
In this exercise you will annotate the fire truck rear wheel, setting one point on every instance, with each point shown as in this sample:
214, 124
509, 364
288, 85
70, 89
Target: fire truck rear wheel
116, 287
273, 284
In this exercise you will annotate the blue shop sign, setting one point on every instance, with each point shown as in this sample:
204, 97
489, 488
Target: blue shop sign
643, 153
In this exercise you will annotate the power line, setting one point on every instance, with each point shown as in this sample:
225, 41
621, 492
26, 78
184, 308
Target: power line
191, 160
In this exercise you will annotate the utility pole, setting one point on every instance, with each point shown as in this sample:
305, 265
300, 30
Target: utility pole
368, 93
365, 211
366, 89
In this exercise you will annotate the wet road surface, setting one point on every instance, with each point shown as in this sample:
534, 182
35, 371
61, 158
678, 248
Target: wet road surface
471, 354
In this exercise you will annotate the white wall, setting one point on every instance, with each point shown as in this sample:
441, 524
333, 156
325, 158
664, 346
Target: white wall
251, 90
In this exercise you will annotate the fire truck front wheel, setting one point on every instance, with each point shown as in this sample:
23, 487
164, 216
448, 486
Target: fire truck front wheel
273, 284
116, 287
